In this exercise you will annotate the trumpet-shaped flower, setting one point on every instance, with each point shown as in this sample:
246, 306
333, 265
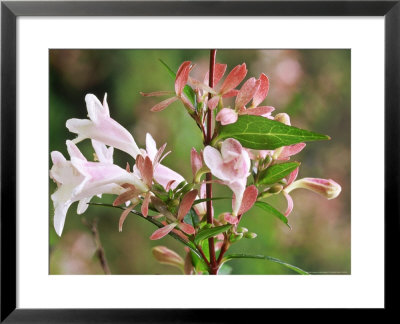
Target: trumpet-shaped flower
231, 165
324, 187
80, 180
101, 127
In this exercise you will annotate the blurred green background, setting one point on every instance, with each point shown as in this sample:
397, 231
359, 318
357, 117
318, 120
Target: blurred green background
312, 86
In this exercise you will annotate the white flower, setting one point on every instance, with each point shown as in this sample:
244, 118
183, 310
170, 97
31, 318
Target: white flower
102, 127
80, 180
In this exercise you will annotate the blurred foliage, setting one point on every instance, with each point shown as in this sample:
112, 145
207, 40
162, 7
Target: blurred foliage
312, 86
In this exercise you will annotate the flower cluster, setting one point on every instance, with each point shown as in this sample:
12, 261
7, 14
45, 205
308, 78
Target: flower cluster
184, 207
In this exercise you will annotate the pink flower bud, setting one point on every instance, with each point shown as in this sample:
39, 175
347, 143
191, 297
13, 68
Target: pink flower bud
283, 118
325, 187
166, 256
227, 116
196, 161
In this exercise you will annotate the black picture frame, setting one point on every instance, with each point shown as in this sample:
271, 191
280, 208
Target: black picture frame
10, 11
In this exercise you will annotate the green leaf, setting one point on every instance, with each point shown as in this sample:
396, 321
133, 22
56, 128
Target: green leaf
225, 269
152, 220
169, 70
264, 257
260, 133
210, 232
198, 201
199, 263
188, 91
276, 172
191, 218
272, 211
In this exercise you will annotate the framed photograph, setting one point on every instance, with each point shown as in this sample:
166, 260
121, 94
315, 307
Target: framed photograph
152, 156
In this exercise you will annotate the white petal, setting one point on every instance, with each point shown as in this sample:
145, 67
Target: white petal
238, 188
213, 160
74, 152
83, 205
104, 154
61, 201
57, 157
163, 175
105, 105
94, 107
79, 126
151, 146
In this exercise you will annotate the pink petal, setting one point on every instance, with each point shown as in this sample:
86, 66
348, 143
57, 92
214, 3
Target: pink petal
290, 204
213, 102
157, 93
188, 229
231, 149
186, 203
231, 219
124, 214
231, 93
219, 71
290, 150
234, 78
293, 176
258, 111
199, 85
182, 77
145, 205
227, 116
164, 104
187, 103
140, 162
157, 157
262, 90
249, 198
126, 196
246, 93
169, 185
147, 171
161, 232
196, 161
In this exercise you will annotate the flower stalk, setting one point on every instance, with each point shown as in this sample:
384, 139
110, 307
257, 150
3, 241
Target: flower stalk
213, 261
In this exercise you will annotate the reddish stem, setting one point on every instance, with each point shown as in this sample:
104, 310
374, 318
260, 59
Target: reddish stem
213, 261
224, 248
203, 255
